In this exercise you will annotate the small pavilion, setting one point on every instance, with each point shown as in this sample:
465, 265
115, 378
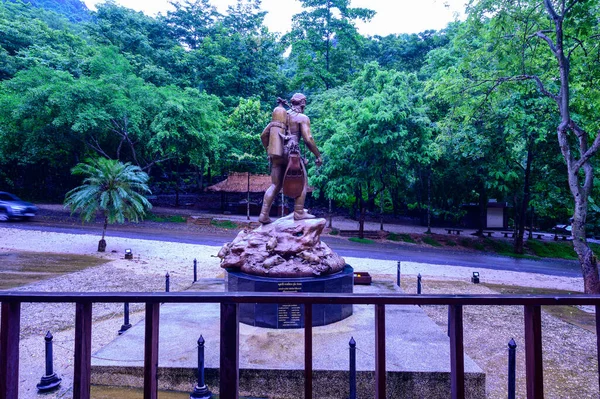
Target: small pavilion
250, 184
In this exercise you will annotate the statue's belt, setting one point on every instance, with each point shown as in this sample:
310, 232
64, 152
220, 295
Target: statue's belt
293, 137
278, 124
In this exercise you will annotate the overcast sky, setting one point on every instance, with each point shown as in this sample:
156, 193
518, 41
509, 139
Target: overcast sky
393, 16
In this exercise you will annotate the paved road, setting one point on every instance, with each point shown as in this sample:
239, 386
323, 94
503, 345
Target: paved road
384, 251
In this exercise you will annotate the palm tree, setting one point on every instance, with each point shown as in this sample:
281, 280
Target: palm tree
111, 187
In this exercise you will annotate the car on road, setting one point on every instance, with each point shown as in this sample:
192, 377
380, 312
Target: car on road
564, 229
12, 207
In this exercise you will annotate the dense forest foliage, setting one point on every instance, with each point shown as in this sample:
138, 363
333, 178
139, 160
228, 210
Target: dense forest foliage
408, 123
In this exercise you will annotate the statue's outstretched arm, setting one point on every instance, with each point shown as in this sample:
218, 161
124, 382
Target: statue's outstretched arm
308, 139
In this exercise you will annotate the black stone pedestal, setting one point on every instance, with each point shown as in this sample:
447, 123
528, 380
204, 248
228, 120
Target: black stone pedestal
291, 315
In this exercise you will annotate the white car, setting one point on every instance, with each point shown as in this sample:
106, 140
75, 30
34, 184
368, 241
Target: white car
12, 207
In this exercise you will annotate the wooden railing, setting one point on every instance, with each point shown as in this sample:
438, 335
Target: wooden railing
229, 347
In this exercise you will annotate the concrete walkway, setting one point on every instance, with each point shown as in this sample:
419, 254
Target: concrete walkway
272, 361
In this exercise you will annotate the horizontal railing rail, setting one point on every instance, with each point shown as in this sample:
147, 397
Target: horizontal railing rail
229, 319
298, 298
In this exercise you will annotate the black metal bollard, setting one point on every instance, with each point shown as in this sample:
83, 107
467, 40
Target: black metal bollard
126, 325
201, 391
419, 284
50, 380
195, 270
398, 275
352, 369
449, 320
512, 368
167, 282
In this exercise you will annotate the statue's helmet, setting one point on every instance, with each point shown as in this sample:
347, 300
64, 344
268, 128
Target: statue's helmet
298, 99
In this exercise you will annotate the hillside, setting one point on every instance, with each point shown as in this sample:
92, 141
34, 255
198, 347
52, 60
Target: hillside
74, 10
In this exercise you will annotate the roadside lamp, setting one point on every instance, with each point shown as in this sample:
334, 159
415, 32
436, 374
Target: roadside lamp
128, 254
475, 278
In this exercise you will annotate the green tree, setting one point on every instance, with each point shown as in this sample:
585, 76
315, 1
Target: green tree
372, 129
564, 68
185, 130
404, 52
32, 37
325, 43
192, 21
144, 41
112, 188
242, 150
74, 10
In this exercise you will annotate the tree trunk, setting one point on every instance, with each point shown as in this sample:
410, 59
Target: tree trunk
361, 209
482, 209
209, 176
581, 192
200, 177
102, 242
381, 211
394, 194
587, 259
518, 244
428, 201
361, 220
177, 186
330, 215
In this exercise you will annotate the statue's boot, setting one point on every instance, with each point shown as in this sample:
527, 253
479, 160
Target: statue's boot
264, 214
300, 213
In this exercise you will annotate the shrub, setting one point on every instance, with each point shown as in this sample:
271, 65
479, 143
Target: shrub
361, 240
401, 237
500, 246
162, 219
224, 224
478, 246
560, 250
431, 241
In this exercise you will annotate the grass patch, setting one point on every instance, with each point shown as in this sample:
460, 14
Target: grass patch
559, 250
479, 246
334, 232
394, 237
465, 242
401, 237
407, 238
595, 248
224, 224
505, 248
361, 240
23, 268
162, 219
501, 247
431, 241
450, 243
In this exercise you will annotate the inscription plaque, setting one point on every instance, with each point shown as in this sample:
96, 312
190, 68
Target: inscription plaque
288, 315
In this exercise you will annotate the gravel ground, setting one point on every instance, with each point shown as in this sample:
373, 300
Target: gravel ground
569, 351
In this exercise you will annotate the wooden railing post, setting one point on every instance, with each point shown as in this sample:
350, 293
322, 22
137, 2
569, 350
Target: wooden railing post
533, 352
308, 349
83, 351
380, 352
457, 357
229, 351
151, 351
9, 350
598, 340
